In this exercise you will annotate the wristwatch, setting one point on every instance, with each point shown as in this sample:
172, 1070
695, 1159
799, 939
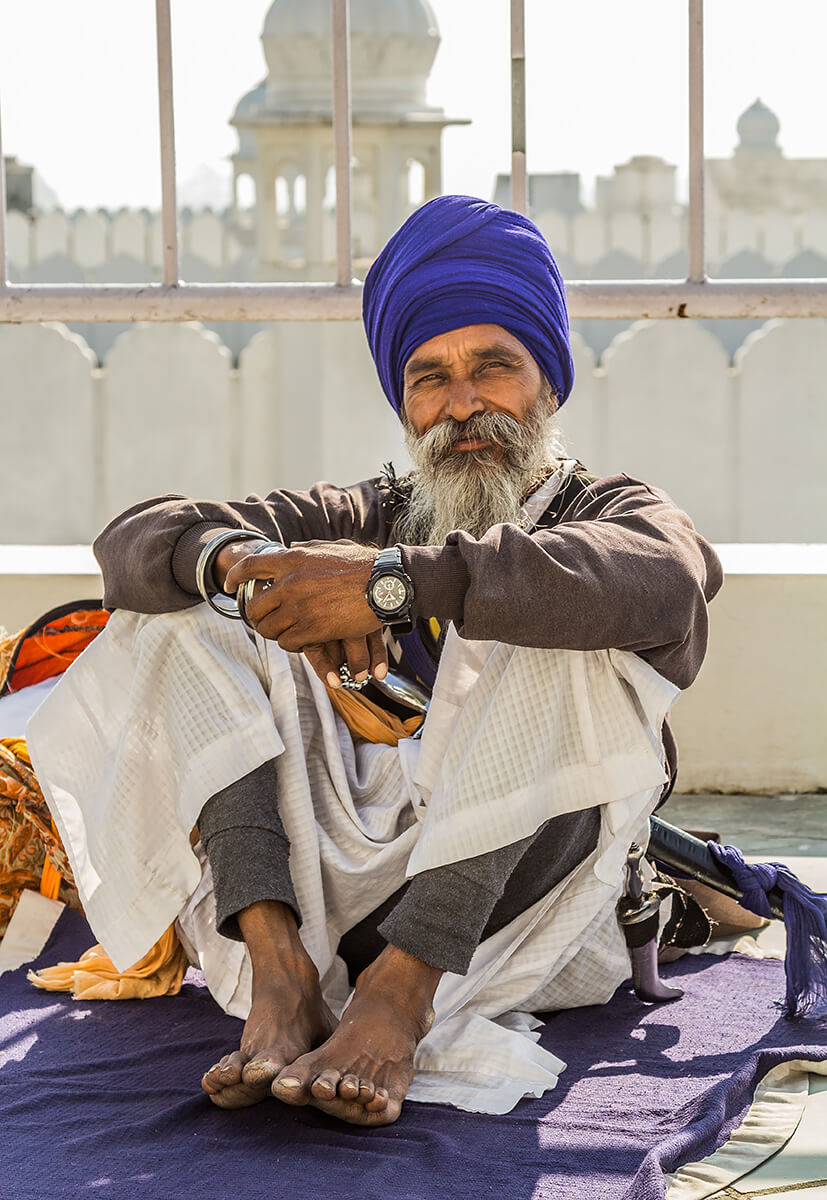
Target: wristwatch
390, 591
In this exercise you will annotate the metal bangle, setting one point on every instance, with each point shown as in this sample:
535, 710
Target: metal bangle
203, 571
244, 595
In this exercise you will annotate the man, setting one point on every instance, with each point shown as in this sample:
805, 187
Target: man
556, 617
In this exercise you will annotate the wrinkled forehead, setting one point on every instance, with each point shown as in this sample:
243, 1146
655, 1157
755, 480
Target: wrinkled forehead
466, 343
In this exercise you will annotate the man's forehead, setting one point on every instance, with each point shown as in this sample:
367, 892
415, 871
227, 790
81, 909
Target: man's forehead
469, 341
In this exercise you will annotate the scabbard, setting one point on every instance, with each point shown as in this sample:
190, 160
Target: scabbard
683, 852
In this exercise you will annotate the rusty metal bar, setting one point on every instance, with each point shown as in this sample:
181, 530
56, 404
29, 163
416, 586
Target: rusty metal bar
341, 140
697, 259
758, 299
169, 202
519, 176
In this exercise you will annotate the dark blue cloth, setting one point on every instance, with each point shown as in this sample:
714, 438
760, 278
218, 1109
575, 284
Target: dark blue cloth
460, 261
805, 919
103, 1100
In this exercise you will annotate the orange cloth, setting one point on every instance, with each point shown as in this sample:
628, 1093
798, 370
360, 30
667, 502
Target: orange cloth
368, 721
51, 878
94, 977
159, 973
48, 647
31, 853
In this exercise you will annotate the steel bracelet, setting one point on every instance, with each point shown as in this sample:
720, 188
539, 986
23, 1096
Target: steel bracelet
203, 571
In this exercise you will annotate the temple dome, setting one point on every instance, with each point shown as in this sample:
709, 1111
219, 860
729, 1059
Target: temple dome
758, 128
248, 105
392, 48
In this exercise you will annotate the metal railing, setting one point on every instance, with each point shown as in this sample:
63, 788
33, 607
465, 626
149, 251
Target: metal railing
173, 300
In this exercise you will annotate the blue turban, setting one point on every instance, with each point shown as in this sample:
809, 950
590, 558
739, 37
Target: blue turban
460, 261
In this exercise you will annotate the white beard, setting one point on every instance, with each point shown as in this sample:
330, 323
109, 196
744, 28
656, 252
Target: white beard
475, 489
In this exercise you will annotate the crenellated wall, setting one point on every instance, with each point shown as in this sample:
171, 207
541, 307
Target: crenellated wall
741, 446
587, 243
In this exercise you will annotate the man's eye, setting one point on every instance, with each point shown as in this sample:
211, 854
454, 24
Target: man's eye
495, 363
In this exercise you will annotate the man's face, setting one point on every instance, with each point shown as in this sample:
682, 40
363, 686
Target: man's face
479, 429
476, 369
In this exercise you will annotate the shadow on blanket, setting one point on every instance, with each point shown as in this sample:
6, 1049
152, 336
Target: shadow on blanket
103, 1100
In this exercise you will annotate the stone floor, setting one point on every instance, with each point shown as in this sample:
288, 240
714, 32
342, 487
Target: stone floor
793, 830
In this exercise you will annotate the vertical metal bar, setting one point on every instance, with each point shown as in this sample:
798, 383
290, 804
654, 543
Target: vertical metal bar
697, 260
169, 202
519, 179
4, 261
341, 139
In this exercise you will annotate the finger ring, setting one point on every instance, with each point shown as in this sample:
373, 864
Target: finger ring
244, 597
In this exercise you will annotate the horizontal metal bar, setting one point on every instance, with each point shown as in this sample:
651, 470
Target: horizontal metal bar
609, 300
186, 302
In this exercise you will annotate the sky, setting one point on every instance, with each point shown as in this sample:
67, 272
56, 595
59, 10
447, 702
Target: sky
606, 80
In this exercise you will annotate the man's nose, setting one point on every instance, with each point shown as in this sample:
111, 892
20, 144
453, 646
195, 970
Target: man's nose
463, 401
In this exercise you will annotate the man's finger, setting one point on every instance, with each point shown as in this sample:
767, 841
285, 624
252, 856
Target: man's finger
378, 654
357, 657
265, 600
321, 659
269, 564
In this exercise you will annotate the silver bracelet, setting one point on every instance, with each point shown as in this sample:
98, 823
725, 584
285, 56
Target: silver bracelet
245, 592
203, 570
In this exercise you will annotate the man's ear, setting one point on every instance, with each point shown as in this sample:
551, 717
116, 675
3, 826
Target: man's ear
549, 397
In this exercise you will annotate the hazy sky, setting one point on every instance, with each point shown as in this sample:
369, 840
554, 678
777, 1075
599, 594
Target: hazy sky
606, 80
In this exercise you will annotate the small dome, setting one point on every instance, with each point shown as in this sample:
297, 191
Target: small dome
392, 48
758, 128
251, 100
248, 105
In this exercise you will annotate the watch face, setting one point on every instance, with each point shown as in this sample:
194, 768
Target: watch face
388, 593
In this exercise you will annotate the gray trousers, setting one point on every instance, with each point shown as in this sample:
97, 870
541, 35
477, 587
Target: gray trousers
440, 916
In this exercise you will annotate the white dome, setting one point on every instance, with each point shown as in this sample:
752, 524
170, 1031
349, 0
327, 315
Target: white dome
249, 103
392, 48
758, 128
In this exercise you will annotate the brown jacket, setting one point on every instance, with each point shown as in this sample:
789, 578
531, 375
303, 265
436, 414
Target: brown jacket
623, 567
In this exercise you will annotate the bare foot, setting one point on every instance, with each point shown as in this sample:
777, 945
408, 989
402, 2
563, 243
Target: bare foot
288, 1015
362, 1073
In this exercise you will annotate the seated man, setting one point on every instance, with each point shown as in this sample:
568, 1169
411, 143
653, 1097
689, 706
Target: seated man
460, 875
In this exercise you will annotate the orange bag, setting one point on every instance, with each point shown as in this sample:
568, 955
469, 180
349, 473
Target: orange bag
50, 644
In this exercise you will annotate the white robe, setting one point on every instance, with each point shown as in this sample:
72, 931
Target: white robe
161, 712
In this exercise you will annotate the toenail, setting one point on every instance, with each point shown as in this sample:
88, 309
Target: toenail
290, 1082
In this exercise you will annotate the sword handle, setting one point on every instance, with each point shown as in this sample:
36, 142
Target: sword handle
682, 851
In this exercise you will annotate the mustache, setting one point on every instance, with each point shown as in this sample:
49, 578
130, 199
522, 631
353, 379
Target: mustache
500, 429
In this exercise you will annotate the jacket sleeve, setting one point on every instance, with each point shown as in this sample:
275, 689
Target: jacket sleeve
624, 568
149, 552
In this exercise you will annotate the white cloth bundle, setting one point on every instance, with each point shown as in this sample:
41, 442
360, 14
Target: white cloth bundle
163, 711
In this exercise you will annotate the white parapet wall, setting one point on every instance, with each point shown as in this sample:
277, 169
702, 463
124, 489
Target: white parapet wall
755, 719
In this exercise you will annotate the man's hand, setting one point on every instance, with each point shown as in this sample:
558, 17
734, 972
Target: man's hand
313, 600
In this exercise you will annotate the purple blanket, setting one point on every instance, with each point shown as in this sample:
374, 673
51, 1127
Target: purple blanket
103, 1100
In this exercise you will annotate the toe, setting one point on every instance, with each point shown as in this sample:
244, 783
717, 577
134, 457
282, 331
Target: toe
349, 1087
367, 1091
360, 1114
325, 1084
292, 1086
240, 1095
379, 1102
260, 1072
224, 1074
